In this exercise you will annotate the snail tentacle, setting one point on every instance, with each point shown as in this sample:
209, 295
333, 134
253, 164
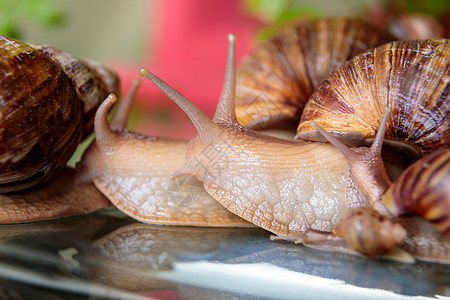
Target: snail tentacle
105, 137
225, 111
120, 119
366, 165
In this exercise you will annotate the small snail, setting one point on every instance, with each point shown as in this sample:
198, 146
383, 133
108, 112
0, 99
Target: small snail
286, 186
275, 81
134, 172
42, 119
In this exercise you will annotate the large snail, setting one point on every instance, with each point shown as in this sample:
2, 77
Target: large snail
291, 186
47, 103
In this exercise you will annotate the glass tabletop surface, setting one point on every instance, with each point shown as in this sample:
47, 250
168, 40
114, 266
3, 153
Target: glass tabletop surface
108, 255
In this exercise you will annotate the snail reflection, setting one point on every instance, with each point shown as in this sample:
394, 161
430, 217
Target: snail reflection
131, 257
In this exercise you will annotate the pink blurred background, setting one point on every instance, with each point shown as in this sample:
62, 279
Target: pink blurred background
190, 47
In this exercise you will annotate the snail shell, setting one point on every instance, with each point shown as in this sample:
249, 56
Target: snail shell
370, 233
41, 117
92, 81
275, 81
410, 77
424, 189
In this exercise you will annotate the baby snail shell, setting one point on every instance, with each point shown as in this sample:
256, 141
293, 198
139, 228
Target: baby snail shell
275, 81
288, 187
42, 119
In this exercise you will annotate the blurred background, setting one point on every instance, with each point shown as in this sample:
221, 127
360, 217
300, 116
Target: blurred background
182, 41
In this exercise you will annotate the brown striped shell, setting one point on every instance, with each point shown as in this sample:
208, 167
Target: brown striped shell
41, 117
424, 189
275, 81
410, 77
91, 80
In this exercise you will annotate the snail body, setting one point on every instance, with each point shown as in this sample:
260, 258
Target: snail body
265, 179
282, 193
134, 172
275, 81
59, 197
41, 115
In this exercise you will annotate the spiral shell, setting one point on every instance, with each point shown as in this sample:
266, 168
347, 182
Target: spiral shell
274, 82
410, 77
424, 189
92, 81
41, 116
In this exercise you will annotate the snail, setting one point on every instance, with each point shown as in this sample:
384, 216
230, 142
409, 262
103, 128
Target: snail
134, 172
48, 99
47, 103
290, 187
275, 81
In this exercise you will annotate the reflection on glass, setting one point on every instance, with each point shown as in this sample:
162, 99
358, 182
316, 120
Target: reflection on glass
110, 254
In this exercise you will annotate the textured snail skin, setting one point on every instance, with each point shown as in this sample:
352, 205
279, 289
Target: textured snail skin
134, 172
275, 81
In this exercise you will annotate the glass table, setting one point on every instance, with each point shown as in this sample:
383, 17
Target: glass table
108, 255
